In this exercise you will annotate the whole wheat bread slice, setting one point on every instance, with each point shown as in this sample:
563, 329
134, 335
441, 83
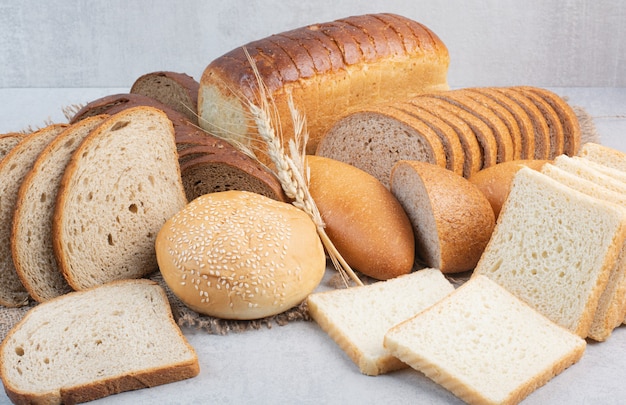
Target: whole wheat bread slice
13, 168
91, 344
31, 243
118, 189
8, 142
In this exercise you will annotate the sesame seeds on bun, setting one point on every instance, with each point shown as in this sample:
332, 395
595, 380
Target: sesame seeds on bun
240, 255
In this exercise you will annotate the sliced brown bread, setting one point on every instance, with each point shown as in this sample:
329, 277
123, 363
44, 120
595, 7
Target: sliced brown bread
524, 122
175, 89
91, 344
534, 253
118, 189
31, 245
485, 345
13, 168
8, 142
375, 139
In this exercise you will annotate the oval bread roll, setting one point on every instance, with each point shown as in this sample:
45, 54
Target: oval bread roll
363, 219
452, 220
495, 181
240, 255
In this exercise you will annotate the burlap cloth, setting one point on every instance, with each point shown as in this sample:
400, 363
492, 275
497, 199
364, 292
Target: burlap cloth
186, 317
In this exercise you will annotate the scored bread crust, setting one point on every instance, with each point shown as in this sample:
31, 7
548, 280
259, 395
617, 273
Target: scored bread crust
106, 218
350, 63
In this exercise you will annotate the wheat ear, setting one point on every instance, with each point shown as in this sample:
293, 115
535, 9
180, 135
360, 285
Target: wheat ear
291, 169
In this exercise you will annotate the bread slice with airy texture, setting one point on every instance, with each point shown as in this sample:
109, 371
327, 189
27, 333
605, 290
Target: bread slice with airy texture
118, 189
485, 345
357, 318
31, 246
554, 248
13, 168
612, 303
595, 172
603, 154
91, 344
452, 219
8, 142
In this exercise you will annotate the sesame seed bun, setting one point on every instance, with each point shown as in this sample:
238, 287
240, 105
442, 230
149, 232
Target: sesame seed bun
240, 255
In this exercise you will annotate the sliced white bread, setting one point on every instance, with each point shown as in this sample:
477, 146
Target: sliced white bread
604, 155
13, 168
91, 344
485, 345
554, 248
612, 303
31, 245
357, 318
590, 171
118, 189
452, 219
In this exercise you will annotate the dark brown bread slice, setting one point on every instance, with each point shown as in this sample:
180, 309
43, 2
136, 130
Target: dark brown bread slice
13, 168
31, 245
455, 155
541, 130
374, 139
524, 123
567, 115
177, 90
506, 148
473, 154
483, 133
503, 114
555, 129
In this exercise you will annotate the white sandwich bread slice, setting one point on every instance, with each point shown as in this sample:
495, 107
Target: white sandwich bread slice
592, 171
94, 343
31, 245
612, 303
357, 318
554, 248
13, 168
117, 191
603, 154
485, 345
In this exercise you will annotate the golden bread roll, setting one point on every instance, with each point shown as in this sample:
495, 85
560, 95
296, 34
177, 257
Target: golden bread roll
240, 255
495, 181
363, 219
452, 220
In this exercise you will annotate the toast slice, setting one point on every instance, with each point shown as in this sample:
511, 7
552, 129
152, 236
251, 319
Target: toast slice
357, 318
91, 344
485, 345
118, 189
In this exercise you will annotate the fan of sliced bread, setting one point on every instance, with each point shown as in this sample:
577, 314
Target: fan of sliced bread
464, 130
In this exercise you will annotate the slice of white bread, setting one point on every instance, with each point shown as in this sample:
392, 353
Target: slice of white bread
118, 189
590, 171
612, 303
603, 154
31, 245
94, 343
485, 345
357, 318
554, 247
13, 168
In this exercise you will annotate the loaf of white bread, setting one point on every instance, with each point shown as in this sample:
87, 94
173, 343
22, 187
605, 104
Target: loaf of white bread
94, 343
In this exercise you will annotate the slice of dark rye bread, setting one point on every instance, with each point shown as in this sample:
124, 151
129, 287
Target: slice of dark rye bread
177, 90
13, 168
241, 171
31, 245
119, 188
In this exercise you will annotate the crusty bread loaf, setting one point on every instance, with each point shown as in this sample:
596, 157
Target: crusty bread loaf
240, 255
357, 318
13, 168
175, 89
603, 154
363, 218
495, 181
554, 247
91, 344
612, 303
118, 189
485, 345
329, 68
31, 245
452, 220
